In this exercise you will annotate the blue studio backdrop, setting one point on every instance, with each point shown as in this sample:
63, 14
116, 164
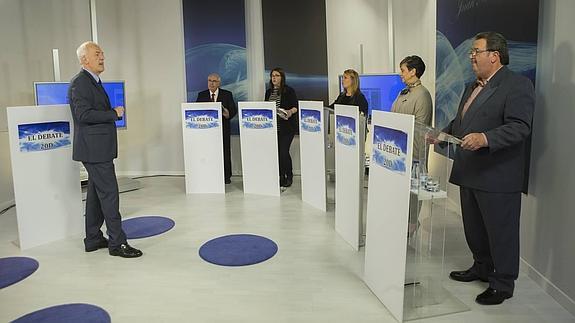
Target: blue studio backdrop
215, 42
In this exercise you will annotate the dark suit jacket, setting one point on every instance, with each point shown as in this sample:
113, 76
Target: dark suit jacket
288, 100
227, 100
357, 99
503, 110
95, 138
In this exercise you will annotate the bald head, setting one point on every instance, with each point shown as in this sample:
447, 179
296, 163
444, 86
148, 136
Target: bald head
91, 57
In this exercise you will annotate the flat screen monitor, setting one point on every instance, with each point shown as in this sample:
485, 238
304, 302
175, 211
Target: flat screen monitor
50, 93
380, 90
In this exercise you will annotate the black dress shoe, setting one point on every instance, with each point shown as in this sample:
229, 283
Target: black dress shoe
228, 181
492, 297
93, 247
282, 181
125, 251
288, 182
465, 276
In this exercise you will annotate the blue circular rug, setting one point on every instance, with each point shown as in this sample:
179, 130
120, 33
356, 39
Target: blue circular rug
14, 269
146, 226
238, 250
68, 313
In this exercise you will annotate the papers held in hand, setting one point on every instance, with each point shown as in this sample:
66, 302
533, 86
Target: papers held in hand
282, 113
432, 134
443, 137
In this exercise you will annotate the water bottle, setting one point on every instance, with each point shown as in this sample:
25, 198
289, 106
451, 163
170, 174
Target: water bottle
415, 176
423, 176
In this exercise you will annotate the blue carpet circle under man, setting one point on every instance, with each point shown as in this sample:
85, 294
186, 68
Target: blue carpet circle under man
15, 269
96, 146
146, 226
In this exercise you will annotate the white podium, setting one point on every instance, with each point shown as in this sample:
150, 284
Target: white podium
388, 208
312, 153
46, 179
349, 168
258, 139
203, 147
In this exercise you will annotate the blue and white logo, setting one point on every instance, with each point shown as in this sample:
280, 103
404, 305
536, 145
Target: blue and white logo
310, 120
389, 149
44, 136
202, 119
257, 118
345, 130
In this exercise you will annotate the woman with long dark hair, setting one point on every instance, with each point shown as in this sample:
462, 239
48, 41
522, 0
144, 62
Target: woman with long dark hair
286, 102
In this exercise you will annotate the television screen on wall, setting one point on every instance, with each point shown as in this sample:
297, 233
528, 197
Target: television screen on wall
380, 90
50, 93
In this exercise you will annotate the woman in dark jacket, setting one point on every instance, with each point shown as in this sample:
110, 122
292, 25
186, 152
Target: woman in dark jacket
351, 94
287, 117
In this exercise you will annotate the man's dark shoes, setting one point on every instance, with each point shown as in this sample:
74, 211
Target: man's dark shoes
465, 276
288, 182
95, 246
125, 251
492, 297
228, 181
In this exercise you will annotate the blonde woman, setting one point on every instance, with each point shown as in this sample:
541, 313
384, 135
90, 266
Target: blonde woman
351, 94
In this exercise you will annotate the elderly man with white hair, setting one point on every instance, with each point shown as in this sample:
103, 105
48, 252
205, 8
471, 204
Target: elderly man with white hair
216, 94
96, 146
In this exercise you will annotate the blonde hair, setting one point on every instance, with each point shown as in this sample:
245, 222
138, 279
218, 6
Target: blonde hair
83, 49
354, 80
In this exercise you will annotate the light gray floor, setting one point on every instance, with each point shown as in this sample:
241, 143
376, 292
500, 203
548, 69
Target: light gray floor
315, 277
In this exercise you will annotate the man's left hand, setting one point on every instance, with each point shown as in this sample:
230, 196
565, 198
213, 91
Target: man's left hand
226, 113
474, 141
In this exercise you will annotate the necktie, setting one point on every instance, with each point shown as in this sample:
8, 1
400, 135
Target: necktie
478, 87
213, 97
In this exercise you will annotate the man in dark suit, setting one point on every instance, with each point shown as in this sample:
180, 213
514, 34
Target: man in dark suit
96, 146
494, 120
215, 94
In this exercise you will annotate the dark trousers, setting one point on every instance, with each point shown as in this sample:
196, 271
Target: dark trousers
284, 142
227, 154
103, 204
491, 224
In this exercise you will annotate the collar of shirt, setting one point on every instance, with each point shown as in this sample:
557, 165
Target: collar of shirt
215, 94
483, 83
417, 83
408, 88
95, 76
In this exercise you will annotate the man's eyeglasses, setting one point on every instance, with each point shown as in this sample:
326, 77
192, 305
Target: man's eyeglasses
475, 51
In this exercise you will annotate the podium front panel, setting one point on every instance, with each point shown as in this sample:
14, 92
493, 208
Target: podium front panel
203, 147
312, 153
259, 146
349, 168
46, 179
388, 208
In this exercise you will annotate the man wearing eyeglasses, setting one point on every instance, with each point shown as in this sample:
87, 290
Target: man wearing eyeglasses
494, 122
215, 94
